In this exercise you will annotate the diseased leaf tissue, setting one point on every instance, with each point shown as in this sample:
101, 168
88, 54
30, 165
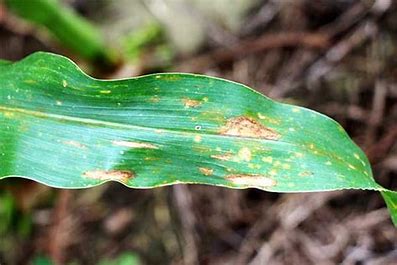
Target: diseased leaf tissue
62, 128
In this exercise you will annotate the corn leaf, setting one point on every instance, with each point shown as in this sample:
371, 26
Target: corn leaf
69, 28
65, 129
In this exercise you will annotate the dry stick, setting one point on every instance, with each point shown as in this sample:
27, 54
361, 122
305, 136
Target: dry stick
325, 253
289, 78
320, 253
349, 18
58, 238
363, 249
362, 32
244, 48
376, 116
318, 40
350, 111
262, 18
378, 151
183, 201
267, 250
291, 211
302, 58
390, 162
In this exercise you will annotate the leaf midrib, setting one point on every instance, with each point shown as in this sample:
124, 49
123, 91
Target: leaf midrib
97, 122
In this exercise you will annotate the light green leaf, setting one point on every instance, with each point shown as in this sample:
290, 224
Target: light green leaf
62, 128
67, 26
125, 258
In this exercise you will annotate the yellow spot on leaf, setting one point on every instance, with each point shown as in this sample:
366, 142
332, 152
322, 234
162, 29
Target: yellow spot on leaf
273, 172
254, 166
135, 144
105, 91
351, 166
151, 158
297, 154
245, 154
8, 114
267, 119
277, 163
296, 110
286, 166
75, 144
197, 138
64, 83
267, 159
154, 99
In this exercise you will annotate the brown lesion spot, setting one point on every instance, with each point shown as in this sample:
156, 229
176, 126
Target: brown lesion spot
115, 175
75, 144
206, 171
251, 180
131, 144
223, 157
306, 174
154, 99
191, 103
247, 127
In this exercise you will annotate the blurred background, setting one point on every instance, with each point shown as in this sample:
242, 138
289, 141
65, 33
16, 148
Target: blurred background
338, 57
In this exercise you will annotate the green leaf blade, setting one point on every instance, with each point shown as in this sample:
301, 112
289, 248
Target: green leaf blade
65, 129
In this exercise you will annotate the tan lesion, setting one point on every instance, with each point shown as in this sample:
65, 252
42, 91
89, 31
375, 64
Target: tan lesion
248, 180
115, 175
75, 144
131, 144
242, 126
206, 171
191, 103
223, 157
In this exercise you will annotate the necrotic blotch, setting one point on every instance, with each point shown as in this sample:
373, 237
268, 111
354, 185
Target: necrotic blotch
246, 180
247, 127
75, 144
115, 175
190, 103
223, 157
134, 144
206, 171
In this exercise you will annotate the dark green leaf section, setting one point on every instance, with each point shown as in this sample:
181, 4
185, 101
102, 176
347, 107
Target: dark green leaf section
68, 27
65, 129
